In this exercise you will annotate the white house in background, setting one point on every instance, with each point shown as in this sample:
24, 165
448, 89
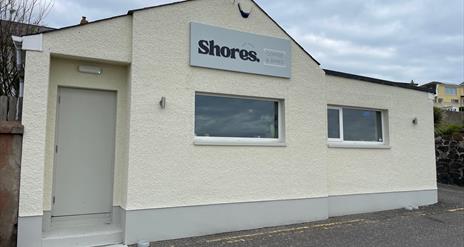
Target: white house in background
202, 117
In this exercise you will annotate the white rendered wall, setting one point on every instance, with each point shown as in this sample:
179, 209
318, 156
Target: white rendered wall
105, 40
410, 162
165, 168
34, 121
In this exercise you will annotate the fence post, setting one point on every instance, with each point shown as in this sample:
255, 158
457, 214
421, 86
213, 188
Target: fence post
12, 108
19, 109
3, 108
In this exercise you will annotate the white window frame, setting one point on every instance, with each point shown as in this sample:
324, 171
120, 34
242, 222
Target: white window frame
244, 141
340, 124
361, 143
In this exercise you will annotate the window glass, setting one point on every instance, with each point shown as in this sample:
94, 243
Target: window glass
451, 90
219, 116
334, 123
362, 125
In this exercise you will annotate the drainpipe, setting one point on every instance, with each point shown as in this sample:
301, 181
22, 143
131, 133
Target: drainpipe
18, 43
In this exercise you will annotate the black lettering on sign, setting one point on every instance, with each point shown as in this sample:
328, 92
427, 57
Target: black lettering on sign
203, 47
210, 48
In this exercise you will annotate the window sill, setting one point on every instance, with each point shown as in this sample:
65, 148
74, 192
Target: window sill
257, 143
357, 146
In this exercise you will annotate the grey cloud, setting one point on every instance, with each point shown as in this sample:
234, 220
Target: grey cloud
398, 40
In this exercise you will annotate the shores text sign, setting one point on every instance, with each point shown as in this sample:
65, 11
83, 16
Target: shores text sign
219, 48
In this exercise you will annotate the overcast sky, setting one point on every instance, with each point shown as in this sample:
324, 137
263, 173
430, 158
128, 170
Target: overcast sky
401, 40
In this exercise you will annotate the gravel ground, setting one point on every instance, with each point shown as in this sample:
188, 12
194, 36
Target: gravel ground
438, 225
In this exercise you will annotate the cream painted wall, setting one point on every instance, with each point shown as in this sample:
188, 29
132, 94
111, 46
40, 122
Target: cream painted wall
165, 168
34, 120
410, 162
106, 40
114, 77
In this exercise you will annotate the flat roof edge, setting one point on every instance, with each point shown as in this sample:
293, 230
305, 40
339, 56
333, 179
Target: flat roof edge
79, 25
376, 81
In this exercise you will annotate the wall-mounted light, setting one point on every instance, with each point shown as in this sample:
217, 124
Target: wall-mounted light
243, 12
90, 69
162, 102
415, 121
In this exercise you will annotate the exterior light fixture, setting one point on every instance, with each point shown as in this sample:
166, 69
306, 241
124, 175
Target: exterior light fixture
415, 121
90, 69
162, 102
242, 12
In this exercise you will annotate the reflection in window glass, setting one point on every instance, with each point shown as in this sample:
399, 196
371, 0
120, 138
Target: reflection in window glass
334, 123
451, 91
219, 116
362, 125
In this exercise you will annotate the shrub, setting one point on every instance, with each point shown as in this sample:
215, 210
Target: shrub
437, 116
448, 130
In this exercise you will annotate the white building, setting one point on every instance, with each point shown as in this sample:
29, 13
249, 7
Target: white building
189, 119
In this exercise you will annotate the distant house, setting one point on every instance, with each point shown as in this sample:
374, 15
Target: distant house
448, 96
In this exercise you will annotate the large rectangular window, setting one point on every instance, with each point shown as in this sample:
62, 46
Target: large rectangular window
355, 125
236, 118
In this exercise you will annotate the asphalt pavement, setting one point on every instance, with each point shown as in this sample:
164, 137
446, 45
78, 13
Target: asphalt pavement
432, 226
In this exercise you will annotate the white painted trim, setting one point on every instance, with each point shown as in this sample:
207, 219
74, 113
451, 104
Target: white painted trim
17, 39
33, 42
340, 124
340, 142
225, 141
357, 145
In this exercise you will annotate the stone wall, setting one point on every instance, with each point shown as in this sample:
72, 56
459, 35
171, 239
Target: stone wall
10, 165
450, 159
455, 118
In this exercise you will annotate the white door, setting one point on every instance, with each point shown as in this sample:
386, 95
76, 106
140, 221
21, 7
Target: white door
84, 154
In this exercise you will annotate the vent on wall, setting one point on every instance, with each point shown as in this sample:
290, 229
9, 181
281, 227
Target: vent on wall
90, 69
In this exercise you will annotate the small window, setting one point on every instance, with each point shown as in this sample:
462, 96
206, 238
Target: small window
451, 91
455, 101
355, 125
228, 118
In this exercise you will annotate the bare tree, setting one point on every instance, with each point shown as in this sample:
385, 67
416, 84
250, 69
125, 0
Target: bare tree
17, 17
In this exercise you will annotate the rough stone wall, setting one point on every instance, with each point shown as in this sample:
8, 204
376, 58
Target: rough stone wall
450, 159
10, 164
456, 118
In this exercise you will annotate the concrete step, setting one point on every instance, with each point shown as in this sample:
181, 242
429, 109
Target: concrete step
83, 236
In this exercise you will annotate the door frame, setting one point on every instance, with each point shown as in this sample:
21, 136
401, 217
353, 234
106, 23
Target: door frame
55, 144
